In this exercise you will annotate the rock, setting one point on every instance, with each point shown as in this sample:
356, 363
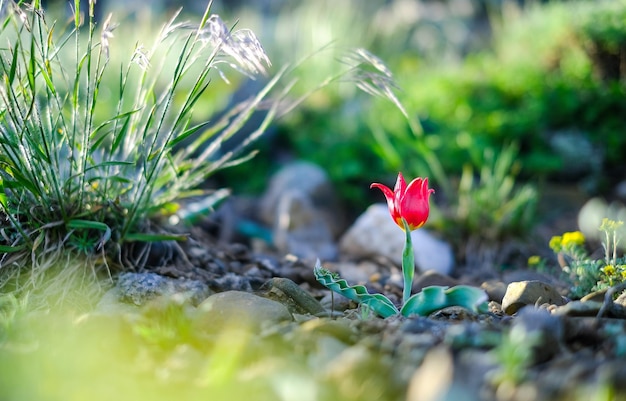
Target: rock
621, 299
543, 330
110, 304
138, 288
374, 233
356, 273
596, 296
335, 302
300, 229
309, 180
239, 308
430, 278
495, 290
591, 215
433, 379
292, 295
521, 293
303, 210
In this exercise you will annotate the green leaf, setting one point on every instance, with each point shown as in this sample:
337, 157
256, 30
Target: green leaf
434, 298
95, 225
3, 196
358, 293
139, 237
14, 63
186, 134
10, 249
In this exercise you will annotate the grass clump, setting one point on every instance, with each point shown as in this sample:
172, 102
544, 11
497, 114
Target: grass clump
74, 179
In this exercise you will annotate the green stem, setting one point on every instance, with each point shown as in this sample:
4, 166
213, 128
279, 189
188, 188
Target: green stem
408, 263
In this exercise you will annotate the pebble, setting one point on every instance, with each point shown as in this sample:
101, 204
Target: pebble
375, 234
302, 207
495, 290
240, 309
139, 288
521, 293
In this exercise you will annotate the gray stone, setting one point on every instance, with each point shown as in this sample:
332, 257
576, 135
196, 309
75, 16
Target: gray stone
356, 273
374, 233
522, 293
239, 308
302, 208
495, 290
301, 230
292, 295
138, 288
311, 182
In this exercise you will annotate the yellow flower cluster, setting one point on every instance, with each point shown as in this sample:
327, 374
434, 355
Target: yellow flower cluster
567, 240
614, 274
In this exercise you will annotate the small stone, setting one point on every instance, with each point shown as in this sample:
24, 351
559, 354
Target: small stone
300, 229
596, 296
495, 290
138, 288
374, 233
292, 295
241, 309
621, 300
522, 293
310, 181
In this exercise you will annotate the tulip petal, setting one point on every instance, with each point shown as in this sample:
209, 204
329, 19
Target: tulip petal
400, 186
389, 195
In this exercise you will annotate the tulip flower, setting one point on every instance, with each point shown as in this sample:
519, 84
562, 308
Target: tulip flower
409, 208
408, 202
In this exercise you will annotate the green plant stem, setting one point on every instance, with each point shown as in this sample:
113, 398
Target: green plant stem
408, 263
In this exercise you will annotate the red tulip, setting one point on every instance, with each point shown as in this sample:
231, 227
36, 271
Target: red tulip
408, 201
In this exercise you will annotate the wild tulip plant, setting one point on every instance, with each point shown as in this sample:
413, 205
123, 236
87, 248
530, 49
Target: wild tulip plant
409, 208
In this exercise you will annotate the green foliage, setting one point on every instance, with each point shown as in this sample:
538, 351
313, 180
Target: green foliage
505, 96
434, 298
429, 300
489, 208
152, 354
11, 311
585, 273
358, 293
493, 98
514, 355
74, 176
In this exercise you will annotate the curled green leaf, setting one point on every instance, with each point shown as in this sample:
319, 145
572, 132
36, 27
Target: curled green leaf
434, 298
379, 303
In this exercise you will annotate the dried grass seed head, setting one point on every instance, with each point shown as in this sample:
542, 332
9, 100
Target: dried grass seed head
107, 33
242, 46
140, 57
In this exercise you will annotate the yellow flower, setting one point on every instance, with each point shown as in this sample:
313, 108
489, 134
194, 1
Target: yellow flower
556, 243
609, 270
534, 260
572, 238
